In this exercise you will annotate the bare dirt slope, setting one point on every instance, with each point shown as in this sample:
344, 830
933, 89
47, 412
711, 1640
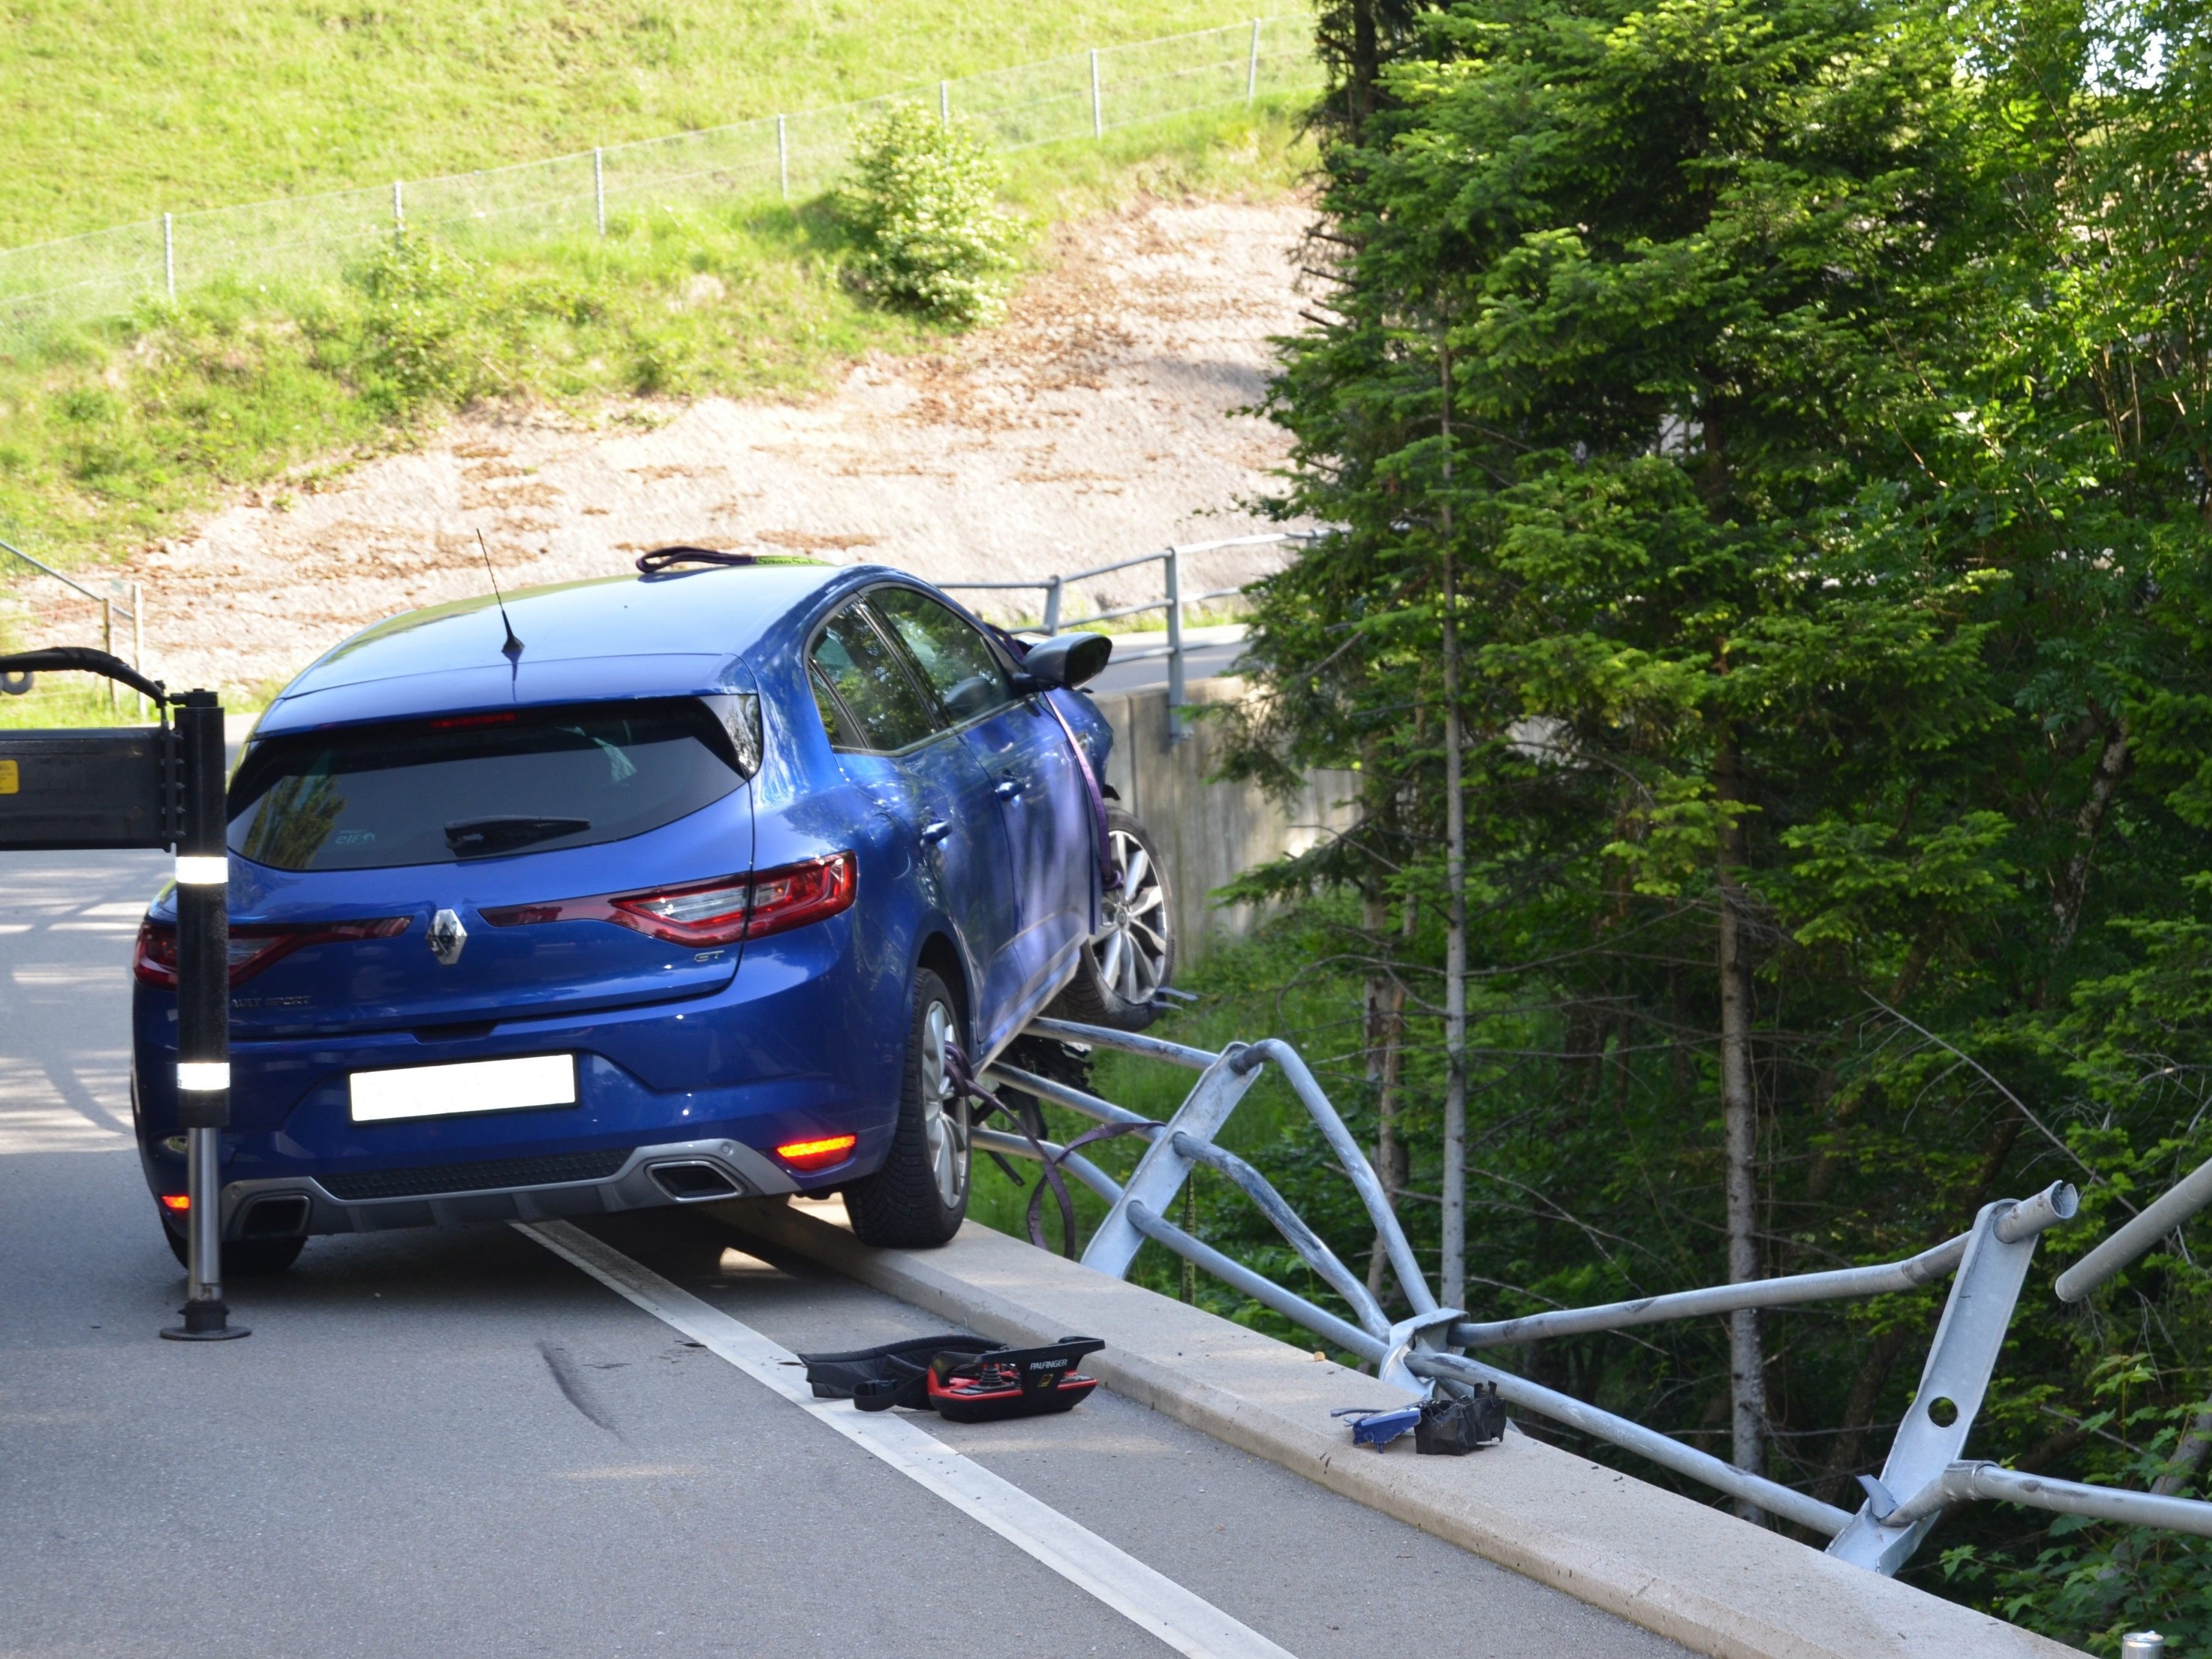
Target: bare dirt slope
1097, 423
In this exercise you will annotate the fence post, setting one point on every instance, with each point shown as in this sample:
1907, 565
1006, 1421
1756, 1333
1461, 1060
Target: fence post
107, 643
1052, 607
169, 256
1097, 99
782, 159
398, 216
944, 103
1251, 69
1176, 729
138, 638
599, 187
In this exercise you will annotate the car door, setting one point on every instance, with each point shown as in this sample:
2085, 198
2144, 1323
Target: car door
924, 777
1033, 778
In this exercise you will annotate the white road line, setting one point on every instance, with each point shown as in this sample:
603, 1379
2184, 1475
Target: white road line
1187, 1623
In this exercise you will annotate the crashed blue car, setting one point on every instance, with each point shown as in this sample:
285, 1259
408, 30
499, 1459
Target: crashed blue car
646, 892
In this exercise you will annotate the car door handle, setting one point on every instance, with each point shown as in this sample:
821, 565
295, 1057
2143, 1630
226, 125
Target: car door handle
934, 831
1007, 788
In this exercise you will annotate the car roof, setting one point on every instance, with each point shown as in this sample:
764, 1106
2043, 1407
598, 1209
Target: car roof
681, 633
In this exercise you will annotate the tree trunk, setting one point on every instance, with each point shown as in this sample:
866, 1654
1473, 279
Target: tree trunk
1740, 1116
1452, 1275
1366, 64
1386, 1033
2073, 886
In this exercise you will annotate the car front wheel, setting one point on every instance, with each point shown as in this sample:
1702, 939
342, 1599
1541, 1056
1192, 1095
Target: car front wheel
1134, 954
919, 1198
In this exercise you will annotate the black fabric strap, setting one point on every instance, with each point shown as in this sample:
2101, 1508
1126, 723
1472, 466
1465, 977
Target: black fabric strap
963, 1080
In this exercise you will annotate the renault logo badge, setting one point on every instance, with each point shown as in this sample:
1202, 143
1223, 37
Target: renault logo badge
446, 937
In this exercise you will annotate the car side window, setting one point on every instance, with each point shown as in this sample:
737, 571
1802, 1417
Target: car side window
859, 668
960, 666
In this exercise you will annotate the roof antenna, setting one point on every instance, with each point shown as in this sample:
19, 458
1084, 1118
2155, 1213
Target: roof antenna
513, 649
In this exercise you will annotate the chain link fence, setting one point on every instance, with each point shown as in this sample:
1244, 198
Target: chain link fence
105, 273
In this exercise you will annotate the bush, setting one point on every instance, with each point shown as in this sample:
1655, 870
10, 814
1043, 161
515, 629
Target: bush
922, 209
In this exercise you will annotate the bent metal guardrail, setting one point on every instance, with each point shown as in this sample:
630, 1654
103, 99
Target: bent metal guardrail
1988, 1265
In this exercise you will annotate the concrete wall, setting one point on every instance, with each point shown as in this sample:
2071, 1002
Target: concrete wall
1208, 832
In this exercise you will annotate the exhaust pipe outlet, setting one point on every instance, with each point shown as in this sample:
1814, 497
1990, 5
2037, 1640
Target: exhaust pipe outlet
284, 1216
695, 1182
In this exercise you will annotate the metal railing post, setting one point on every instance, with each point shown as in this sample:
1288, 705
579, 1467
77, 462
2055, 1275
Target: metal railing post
1177, 729
1097, 99
1968, 1339
398, 215
782, 159
1052, 592
169, 256
599, 187
108, 642
138, 638
1252, 68
944, 103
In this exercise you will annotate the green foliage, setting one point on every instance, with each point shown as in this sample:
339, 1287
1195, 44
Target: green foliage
1814, 401
111, 431
922, 205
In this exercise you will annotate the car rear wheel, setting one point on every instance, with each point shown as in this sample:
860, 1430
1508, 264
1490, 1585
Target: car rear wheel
919, 1198
243, 1257
1134, 954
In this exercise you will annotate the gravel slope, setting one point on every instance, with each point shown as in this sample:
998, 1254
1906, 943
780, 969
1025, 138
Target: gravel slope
1098, 422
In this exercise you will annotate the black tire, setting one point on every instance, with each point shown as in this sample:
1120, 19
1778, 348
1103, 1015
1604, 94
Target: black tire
1134, 954
243, 1257
919, 1198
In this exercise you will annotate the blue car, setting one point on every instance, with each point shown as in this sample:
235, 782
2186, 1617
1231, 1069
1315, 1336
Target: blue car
646, 892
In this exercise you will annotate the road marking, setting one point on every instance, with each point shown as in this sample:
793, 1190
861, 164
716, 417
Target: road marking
1185, 1622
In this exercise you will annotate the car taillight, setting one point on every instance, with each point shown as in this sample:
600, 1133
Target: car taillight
800, 893
154, 961
711, 914
254, 945
718, 912
817, 1154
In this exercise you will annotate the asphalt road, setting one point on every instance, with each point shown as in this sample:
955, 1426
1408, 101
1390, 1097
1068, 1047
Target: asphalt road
1205, 655
441, 1443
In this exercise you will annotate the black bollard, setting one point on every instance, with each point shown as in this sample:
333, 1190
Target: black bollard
203, 1013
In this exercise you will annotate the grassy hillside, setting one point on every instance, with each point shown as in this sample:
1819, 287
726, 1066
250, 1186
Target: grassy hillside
119, 109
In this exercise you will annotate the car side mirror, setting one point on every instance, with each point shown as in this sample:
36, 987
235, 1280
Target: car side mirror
1068, 660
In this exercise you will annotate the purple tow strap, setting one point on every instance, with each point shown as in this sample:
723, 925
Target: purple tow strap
1101, 842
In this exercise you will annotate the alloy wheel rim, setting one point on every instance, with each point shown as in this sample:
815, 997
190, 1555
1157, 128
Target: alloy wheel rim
1131, 950
944, 1115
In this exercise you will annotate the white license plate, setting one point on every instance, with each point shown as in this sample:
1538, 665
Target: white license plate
469, 1085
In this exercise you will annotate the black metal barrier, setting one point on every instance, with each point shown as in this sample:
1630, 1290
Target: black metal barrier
151, 787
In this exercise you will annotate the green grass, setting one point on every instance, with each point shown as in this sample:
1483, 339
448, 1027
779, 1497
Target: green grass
117, 110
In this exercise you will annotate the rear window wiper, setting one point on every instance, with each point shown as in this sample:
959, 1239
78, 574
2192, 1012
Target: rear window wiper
503, 833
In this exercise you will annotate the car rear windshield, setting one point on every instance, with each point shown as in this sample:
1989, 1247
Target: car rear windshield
476, 786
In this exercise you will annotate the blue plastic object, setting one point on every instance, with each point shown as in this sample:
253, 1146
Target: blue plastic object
1370, 1427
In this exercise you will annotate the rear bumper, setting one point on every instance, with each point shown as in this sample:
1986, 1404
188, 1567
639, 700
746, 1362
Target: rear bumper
798, 1047
539, 1189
